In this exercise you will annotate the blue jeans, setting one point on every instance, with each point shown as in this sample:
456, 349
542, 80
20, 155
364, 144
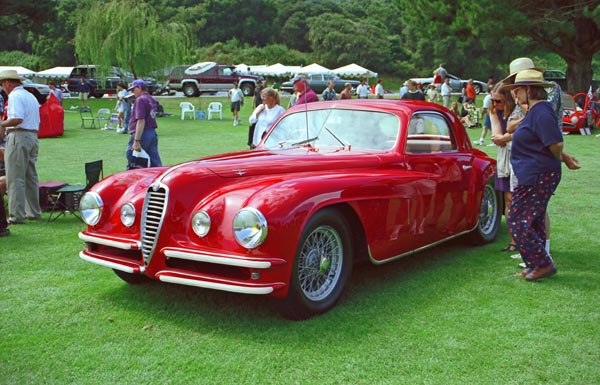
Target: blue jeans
149, 143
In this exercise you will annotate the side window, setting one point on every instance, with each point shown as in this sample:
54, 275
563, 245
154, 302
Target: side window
226, 71
429, 133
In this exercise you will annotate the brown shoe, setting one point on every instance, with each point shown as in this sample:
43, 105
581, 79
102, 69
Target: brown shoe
541, 272
523, 273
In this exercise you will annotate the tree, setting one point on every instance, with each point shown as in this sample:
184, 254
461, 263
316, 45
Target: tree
485, 30
569, 28
128, 34
19, 18
329, 39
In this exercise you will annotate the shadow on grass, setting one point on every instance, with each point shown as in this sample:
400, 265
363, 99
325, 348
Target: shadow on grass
413, 278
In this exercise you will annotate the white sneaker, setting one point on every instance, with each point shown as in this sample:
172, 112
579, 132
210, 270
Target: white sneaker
522, 265
478, 142
516, 256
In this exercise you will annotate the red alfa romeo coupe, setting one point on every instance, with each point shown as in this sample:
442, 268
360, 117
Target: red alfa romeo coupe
330, 184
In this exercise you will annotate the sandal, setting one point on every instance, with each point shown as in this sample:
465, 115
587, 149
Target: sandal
510, 248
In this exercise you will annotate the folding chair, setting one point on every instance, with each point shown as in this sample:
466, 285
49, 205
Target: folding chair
87, 116
69, 196
215, 107
103, 118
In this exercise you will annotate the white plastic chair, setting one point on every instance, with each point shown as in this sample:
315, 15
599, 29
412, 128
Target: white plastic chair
215, 107
187, 107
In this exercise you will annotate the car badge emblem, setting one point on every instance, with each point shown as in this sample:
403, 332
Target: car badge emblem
240, 172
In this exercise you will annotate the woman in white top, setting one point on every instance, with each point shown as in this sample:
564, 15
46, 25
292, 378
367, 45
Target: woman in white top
266, 114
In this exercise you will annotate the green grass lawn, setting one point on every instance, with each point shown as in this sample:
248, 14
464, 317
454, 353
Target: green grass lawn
450, 315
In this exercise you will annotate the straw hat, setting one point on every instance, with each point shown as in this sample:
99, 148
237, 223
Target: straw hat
528, 78
518, 65
10, 75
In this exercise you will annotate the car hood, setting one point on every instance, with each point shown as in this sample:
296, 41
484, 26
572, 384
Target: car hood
257, 162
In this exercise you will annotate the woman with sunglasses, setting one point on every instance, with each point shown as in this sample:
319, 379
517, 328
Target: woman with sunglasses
501, 106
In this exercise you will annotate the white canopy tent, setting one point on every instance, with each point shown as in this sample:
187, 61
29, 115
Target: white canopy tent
22, 71
313, 68
56, 72
273, 70
354, 70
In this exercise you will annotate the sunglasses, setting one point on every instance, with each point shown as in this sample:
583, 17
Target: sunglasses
497, 100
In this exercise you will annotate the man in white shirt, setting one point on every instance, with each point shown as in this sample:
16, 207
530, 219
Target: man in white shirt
237, 101
21, 126
379, 91
487, 124
446, 93
362, 90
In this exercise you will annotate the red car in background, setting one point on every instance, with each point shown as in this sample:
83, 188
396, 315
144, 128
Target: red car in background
332, 183
579, 114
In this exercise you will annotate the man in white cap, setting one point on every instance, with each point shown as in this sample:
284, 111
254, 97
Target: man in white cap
143, 125
21, 127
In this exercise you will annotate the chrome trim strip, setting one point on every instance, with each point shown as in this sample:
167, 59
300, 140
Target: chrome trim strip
111, 265
124, 244
216, 286
217, 258
377, 262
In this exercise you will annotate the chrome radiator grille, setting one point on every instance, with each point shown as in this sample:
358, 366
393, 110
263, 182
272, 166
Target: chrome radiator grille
152, 219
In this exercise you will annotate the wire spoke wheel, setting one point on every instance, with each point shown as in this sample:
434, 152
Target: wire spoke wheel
320, 263
322, 266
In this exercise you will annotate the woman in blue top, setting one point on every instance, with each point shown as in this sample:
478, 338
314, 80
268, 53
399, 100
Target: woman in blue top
535, 158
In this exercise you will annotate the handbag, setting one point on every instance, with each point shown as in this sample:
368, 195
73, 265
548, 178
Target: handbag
140, 159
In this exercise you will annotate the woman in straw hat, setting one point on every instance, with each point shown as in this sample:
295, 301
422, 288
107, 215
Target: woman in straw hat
535, 158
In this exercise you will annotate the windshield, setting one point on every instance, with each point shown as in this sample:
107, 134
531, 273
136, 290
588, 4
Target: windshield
347, 129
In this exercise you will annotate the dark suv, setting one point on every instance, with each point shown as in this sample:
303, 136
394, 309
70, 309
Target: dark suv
101, 81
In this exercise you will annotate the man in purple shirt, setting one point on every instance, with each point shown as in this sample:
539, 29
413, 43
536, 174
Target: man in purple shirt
142, 125
306, 94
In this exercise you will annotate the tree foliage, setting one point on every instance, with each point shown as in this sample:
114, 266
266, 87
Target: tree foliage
404, 38
129, 34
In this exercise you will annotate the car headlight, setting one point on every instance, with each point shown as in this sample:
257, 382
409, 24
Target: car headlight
574, 119
127, 214
90, 206
201, 223
249, 227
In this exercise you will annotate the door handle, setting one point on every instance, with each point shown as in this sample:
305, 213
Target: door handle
466, 167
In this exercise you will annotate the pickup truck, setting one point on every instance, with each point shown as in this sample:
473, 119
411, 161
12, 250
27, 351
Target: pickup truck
211, 77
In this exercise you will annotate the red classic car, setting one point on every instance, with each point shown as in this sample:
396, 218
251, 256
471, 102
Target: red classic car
331, 183
579, 114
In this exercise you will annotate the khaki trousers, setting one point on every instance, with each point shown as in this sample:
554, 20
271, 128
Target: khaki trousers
21, 176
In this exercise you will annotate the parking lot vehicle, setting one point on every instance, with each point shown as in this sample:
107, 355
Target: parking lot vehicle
455, 82
103, 81
560, 77
332, 183
210, 77
40, 91
318, 83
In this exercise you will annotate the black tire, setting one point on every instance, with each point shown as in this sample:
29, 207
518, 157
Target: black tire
133, 279
322, 266
477, 88
490, 214
190, 90
247, 89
